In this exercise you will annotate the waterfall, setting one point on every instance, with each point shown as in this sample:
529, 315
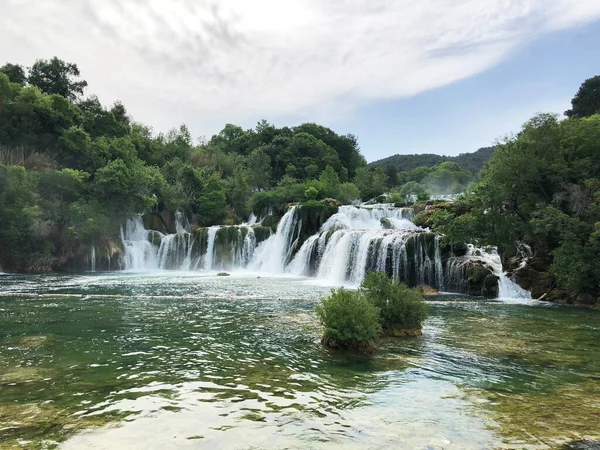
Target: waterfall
93, 257
351, 243
248, 247
369, 217
354, 242
181, 223
273, 254
140, 253
210, 250
489, 258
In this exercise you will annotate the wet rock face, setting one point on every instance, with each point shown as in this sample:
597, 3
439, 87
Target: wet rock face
156, 222
490, 287
481, 282
332, 203
537, 282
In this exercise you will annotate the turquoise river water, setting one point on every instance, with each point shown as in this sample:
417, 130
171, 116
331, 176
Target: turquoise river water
184, 361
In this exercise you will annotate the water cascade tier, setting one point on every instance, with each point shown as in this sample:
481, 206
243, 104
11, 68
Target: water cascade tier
346, 246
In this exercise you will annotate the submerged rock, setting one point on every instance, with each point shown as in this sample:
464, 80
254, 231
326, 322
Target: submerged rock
222, 274
21, 375
402, 333
31, 341
428, 290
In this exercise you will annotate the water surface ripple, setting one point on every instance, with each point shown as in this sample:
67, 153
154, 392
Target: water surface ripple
246, 373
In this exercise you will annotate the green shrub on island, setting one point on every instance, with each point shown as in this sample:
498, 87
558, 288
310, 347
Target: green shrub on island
354, 319
350, 321
402, 310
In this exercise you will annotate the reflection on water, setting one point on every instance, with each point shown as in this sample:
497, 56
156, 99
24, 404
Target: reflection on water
227, 373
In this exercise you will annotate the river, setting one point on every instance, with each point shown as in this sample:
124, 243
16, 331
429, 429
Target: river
182, 360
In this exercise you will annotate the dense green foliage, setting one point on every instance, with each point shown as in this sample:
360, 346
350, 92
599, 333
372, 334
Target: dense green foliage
401, 309
587, 100
354, 319
350, 320
541, 187
71, 169
473, 162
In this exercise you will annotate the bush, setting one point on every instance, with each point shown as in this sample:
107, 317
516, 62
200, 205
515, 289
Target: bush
311, 193
351, 321
402, 310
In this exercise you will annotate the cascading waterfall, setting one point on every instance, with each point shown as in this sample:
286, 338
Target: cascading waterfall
351, 243
210, 249
273, 254
489, 258
93, 257
140, 253
354, 242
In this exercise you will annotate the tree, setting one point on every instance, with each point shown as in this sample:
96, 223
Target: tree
410, 189
259, 169
128, 187
211, 205
331, 182
57, 77
311, 193
73, 150
15, 73
392, 174
371, 183
587, 100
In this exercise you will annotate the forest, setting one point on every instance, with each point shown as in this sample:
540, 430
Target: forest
72, 170
473, 162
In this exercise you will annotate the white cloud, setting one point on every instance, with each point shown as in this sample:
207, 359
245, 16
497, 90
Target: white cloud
207, 62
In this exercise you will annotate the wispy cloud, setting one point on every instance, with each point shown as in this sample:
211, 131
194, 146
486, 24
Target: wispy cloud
206, 62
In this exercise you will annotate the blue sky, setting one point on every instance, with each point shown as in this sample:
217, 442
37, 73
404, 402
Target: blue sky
541, 76
405, 76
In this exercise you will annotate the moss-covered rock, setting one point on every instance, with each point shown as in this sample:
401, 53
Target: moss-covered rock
385, 223
270, 221
481, 282
261, 233
313, 215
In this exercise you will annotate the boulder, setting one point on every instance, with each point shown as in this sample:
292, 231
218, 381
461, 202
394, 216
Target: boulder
332, 202
385, 223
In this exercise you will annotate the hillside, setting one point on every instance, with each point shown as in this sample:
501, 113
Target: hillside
473, 162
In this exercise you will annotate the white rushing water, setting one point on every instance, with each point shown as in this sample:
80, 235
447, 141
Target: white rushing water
93, 257
272, 255
210, 249
351, 243
140, 253
490, 258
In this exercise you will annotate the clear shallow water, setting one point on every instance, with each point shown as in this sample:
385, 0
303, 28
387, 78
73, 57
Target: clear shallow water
130, 372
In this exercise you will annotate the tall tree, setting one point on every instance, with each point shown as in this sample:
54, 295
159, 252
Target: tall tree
57, 77
587, 100
15, 73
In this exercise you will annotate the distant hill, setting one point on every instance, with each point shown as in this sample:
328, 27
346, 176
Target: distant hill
472, 162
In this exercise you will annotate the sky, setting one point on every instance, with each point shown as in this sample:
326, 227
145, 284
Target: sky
420, 76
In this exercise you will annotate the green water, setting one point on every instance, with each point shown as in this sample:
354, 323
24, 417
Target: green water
141, 373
